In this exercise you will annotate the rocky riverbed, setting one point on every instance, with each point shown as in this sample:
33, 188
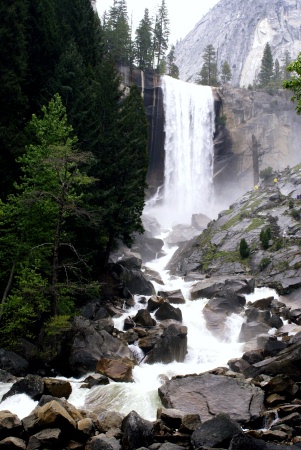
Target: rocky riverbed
254, 402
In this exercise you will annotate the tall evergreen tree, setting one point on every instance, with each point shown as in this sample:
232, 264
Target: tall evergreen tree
143, 42
172, 68
161, 33
13, 95
208, 73
226, 74
287, 59
267, 67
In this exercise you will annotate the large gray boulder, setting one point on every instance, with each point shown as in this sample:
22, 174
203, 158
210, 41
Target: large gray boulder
137, 432
208, 395
171, 346
86, 346
215, 432
132, 279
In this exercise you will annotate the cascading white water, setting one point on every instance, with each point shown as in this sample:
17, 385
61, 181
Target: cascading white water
188, 171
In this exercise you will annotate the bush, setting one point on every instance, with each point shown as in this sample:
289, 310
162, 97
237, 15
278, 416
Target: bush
244, 250
264, 263
265, 236
291, 204
266, 174
295, 213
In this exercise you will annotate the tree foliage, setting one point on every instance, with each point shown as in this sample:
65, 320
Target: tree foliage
208, 73
294, 83
267, 67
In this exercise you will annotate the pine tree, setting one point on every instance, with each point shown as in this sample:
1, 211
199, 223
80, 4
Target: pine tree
13, 95
172, 68
117, 33
143, 42
161, 33
277, 74
267, 67
208, 73
226, 74
286, 74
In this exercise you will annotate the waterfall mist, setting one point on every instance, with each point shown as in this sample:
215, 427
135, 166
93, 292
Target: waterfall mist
188, 176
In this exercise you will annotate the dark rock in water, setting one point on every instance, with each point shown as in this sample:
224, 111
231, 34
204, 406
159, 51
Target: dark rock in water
118, 369
152, 275
93, 310
167, 311
13, 363
208, 394
174, 297
95, 380
149, 247
137, 432
85, 346
57, 388
272, 348
252, 329
172, 346
31, 385
133, 280
154, 302
220, 286
144, 318
263, 303
6, 377
215, 432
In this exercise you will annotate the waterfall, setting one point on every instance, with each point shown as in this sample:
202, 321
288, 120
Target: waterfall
188, 171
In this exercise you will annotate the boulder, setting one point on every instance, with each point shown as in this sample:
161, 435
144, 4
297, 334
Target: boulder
10, 425
154, 302
96, 379
50, 415
86, 428
199, 221
144, 318
102, 442
57, 388
208, 394
171, 346
49, 438
94, 309
130, 262
245, 442
132, 279
154, 276
87, 346
167, 311
31, 385
148, 342
181, 233
108, 420
13, 363
116, 369
137, 432
175, 297
215, 432
252, 329
13, 443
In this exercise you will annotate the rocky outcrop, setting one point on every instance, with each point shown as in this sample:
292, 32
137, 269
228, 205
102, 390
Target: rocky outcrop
274, 206
239, 31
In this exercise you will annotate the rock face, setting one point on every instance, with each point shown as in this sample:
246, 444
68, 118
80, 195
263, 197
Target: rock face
239, 31
209, 394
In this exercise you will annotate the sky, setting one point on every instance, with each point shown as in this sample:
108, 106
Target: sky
183, 15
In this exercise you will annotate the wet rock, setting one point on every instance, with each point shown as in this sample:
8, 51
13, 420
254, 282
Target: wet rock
252, 329
86, 428
154, 303
116, 369
272, 348
152, 275
96, 379
215, 432
137, 432
174, 297
263, 303
144, 318
31, 385
101, 442
132, 279
171, 417
130, 262
208, 394
167, 311
171, 346
57, 388
244, 442
199, 221
181, 233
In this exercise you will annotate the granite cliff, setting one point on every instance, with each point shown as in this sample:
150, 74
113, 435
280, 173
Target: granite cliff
239, 31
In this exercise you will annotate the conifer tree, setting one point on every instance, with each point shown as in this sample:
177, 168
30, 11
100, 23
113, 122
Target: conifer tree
267, 67
208, 73
161, 33
286, 74
143, 42
117, 33
226, 74
172, 68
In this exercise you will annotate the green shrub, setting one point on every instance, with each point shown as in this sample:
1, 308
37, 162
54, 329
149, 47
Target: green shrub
264, 263
244, 250
291, 204
266, 174
265, 236
295, 213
